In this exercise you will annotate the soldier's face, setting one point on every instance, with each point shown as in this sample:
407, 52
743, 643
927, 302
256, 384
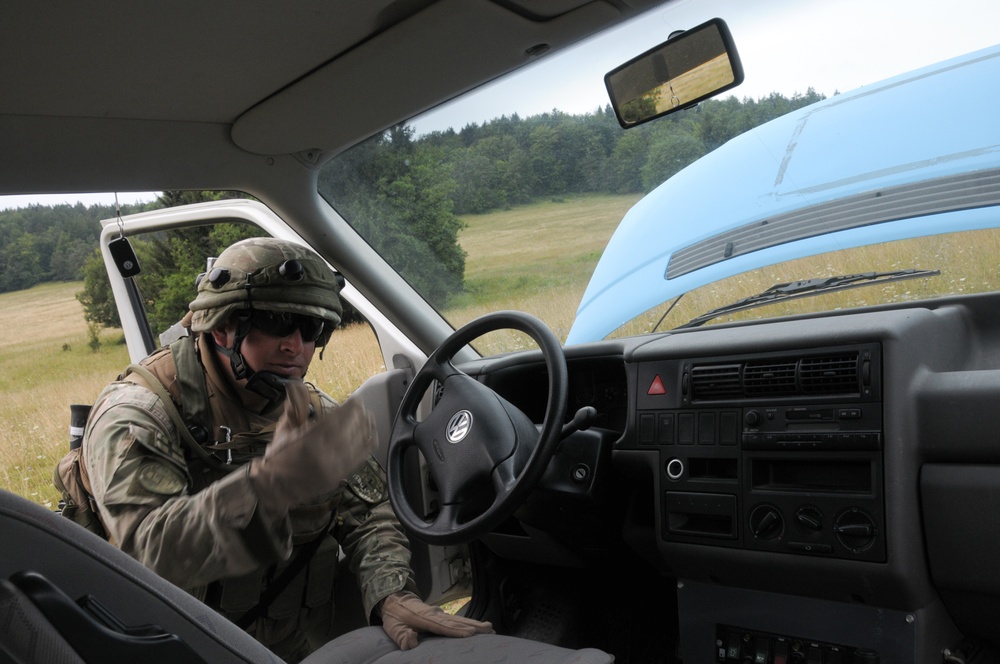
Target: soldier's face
287, 356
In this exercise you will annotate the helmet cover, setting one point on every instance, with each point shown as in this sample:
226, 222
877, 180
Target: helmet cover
265, 273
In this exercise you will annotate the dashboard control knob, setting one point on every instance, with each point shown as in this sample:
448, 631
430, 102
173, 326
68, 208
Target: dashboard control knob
675, 469
855, 529
752, 417
766, 522
809, 518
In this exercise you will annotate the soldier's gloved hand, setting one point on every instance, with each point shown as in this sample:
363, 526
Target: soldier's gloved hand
310, 457
403, 615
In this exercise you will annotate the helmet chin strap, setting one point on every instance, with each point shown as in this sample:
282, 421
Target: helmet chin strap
267, 384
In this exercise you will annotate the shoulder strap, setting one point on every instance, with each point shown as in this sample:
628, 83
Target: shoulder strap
279, 584
191, 377
171, 408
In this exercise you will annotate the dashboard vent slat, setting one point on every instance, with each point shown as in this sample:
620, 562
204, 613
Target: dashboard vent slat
830, 375
717, 381
771, 377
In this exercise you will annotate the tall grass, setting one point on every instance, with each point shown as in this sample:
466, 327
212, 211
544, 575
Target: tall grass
47, 363
535, 258
49, 358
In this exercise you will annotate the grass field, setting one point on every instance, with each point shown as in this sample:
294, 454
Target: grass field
545, 275
46, 364
47, 361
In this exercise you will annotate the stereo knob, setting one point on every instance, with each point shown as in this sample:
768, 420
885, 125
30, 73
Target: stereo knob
752, 417
766, 523
855, 529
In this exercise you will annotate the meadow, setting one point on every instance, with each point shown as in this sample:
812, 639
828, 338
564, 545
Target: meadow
48, 362
50, 358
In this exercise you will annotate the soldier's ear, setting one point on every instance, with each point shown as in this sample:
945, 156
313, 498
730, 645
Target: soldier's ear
221, 335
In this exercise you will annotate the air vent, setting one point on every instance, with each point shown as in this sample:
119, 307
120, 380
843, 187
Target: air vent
817, 375
830, 375
773, 377
716, 381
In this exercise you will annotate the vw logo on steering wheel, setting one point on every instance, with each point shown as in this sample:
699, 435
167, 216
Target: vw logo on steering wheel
459, 426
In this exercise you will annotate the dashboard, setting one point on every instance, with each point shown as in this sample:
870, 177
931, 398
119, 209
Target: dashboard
776, 451
836, 476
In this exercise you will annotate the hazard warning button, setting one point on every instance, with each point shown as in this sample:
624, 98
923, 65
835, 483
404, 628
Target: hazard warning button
657, 386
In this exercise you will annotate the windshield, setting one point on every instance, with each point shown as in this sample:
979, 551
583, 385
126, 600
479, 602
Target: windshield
508, 197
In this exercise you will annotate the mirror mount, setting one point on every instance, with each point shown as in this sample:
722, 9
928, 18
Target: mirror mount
689, 67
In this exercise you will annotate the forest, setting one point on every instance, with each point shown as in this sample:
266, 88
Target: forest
428, 180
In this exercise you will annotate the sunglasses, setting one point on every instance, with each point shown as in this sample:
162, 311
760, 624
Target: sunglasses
281, 324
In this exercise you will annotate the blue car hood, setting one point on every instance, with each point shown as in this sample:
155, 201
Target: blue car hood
917, 154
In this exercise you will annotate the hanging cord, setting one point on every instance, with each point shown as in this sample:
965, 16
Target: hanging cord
118, 215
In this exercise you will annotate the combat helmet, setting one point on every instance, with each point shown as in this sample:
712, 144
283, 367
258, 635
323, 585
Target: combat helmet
265, 274
268, 274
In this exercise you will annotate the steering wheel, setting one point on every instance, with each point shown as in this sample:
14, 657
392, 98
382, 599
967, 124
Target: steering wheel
483, 454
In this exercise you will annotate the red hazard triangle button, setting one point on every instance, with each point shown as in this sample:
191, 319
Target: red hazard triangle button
657, 386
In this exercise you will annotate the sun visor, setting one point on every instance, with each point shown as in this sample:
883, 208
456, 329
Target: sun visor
449, 47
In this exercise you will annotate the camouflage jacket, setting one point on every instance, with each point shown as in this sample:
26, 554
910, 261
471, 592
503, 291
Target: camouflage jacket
195, 523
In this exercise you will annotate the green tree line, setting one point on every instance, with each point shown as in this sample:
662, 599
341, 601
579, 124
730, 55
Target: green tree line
404, 192
49, 243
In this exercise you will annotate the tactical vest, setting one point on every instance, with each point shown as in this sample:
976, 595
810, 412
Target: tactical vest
212, 449
227, 436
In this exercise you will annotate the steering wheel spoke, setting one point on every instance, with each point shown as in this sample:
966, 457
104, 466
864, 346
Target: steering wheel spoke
483, 455
443, 370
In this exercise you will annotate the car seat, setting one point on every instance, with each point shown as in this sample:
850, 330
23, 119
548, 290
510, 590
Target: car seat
69, 597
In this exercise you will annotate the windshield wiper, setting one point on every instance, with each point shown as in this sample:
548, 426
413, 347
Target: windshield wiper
807, 288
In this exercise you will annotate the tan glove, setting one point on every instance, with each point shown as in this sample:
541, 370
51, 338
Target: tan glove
403, 615
308, 458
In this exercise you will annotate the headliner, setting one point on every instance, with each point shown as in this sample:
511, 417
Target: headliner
121, 95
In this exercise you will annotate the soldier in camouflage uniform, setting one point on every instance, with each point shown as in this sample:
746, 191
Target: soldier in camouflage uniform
272, 464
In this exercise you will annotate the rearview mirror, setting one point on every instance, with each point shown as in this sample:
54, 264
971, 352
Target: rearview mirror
682, 71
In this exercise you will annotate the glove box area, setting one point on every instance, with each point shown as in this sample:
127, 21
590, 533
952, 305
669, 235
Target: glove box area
961, 514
